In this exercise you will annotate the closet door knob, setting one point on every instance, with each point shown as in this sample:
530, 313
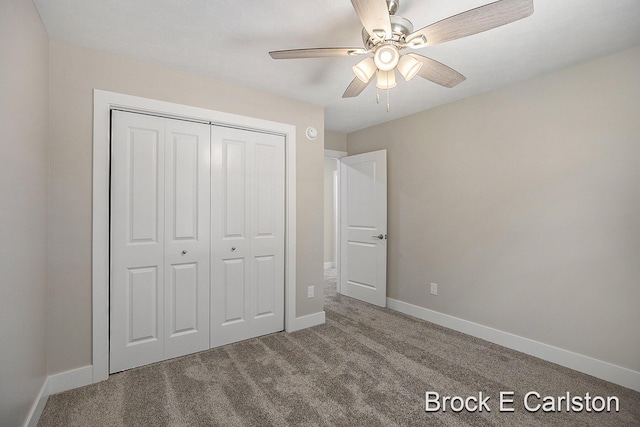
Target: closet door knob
184, 252
233, 249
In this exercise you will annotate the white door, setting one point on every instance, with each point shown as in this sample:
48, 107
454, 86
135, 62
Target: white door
159, 292
363, 222
187, 237
247, 234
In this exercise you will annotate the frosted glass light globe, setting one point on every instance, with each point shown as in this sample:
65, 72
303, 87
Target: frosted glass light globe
386, 57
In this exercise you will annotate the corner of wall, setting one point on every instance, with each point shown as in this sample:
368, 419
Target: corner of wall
57, 384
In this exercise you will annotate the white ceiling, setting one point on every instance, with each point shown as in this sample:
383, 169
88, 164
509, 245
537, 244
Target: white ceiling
230, 40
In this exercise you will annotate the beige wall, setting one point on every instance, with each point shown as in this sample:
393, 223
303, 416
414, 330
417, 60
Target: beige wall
335, 140
23, 208
523, 205
74, 73
330, 165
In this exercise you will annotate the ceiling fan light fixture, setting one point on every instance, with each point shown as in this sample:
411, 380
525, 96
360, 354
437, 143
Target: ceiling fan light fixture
409, 67
386, 35
365, 69
386, 57
386, 79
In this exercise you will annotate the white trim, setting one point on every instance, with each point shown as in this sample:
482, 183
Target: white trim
57, 384
70, 379
328, 265
290, 231
307, 321
337, 218
334, 154
103, 103
38, 405
337, 155
588, 365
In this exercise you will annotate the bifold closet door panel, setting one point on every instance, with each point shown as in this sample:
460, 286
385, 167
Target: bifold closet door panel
187, 237
137, 241
247, 217
267, 228
160, 237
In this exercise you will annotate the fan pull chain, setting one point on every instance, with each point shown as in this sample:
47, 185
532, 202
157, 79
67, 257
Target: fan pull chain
387, 85
387, 90
388, 103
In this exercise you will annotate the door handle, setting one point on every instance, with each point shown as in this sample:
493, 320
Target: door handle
379, 236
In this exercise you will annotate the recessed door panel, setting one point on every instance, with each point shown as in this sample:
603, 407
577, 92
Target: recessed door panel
184, 297
234, 164
360, 258
234, 291
142, 305
265, 188
185, 189
143, 184
265, 286
361, 211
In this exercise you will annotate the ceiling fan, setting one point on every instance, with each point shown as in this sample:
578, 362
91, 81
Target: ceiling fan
387, 36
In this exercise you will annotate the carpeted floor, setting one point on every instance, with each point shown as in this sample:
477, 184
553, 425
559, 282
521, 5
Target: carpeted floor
366, 366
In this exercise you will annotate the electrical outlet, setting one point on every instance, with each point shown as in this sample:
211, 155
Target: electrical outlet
434, 289
310, 291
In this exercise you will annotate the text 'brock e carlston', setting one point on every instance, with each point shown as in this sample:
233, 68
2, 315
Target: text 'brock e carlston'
532, 402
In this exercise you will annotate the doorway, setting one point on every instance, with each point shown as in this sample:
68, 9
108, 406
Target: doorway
332, 212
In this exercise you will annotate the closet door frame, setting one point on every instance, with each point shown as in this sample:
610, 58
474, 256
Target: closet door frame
104, 103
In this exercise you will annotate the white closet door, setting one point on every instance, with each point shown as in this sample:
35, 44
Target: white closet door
159, 208
137, 241
187, 233
247, 264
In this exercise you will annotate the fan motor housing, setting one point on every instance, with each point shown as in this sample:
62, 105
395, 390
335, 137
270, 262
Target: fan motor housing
400, 27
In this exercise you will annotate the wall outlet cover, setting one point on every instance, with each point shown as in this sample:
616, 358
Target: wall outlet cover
434, 289
310, 291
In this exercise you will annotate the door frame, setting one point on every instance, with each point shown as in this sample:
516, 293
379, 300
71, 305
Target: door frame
103, 103
336, 155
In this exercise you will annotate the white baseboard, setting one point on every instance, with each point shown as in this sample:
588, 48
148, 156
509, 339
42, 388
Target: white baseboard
588, 365
308, 321
70, 379
38, 405
57, 384
328, 265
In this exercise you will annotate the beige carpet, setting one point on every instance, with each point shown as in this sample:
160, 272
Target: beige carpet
365, 367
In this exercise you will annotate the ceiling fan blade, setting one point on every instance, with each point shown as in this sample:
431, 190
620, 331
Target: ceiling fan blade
374, 15
355, 88
320, 52
474, 21
437, 72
